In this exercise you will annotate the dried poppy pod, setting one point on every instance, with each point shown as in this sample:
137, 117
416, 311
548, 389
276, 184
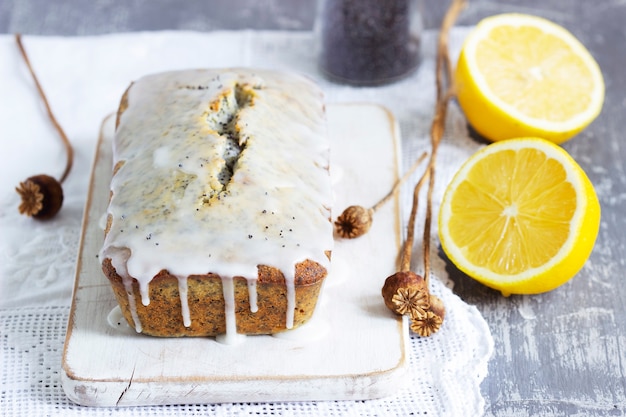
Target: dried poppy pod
429, 323
355, 221
42, 197
406, 293
426, 325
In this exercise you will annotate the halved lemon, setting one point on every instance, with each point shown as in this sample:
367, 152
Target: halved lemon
520, 216
521, 76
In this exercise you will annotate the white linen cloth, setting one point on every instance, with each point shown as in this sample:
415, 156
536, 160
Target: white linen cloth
84, 78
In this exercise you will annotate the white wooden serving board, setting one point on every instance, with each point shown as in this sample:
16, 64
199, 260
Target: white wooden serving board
353, 347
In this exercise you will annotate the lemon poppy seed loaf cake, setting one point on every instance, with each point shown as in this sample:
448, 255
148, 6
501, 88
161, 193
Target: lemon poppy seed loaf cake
219, 216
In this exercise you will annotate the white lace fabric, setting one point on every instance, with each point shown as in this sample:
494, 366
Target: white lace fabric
84, 78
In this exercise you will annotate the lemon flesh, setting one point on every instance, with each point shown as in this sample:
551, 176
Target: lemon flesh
520, 216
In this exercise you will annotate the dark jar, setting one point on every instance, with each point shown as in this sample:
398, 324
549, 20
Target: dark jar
369, 42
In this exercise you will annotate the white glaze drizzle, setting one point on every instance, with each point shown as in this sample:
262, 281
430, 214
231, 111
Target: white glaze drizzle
169, 209
252, 295
291, 298
184, 301
228, 289
144, 291
132, 305
119, 258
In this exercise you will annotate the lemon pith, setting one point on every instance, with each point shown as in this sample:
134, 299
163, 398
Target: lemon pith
522, 76
519, 216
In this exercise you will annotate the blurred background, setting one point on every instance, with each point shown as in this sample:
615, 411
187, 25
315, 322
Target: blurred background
94, 17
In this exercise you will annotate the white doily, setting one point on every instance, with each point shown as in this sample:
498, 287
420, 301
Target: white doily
84, 79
